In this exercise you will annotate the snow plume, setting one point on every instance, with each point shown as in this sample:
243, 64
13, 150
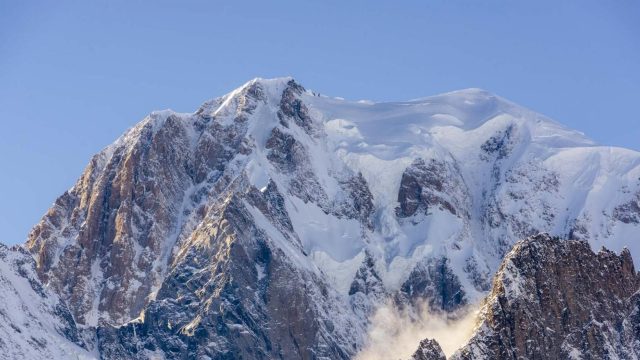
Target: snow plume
396, 334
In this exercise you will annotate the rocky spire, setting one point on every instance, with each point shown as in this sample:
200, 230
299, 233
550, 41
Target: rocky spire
429, 350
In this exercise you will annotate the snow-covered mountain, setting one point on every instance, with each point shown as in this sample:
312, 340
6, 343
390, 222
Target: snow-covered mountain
34, 324
271, 222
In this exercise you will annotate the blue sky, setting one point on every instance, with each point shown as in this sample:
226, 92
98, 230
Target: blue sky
74, 75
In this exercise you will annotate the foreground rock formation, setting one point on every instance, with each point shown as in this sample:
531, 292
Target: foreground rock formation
555, 299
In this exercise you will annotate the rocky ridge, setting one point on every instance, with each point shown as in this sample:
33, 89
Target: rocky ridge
557, 299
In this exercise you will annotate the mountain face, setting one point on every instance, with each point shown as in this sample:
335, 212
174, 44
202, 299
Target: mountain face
272, 221
34, 323
555, 299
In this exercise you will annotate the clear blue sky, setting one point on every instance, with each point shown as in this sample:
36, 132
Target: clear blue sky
75, 74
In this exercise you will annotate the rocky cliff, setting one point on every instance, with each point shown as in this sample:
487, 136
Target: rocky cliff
554, 299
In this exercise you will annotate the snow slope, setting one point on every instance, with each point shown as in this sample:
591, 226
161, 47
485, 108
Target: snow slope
539, 176
34, 324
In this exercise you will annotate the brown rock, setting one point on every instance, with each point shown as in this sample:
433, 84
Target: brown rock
555, 299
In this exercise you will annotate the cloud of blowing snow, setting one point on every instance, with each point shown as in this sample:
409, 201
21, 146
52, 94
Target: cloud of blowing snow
395, 334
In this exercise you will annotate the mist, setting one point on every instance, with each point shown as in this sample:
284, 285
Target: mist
396, 334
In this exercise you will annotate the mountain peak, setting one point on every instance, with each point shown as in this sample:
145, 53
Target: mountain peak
276, 81
273, 87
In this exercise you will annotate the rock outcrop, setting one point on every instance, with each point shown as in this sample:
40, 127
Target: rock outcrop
429, 350
434, 282
555, 299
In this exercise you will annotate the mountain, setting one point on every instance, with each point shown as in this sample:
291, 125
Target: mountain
271, 222
554, 299
34, 324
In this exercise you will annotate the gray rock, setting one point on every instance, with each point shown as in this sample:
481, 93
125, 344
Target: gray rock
429, 350
433, 281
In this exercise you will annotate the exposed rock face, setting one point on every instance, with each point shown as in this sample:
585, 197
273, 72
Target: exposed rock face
34, 323
367, 289
235, 294
429, 350
554, 299
367, 280
500, 145
435, 282
433, 183
271, 221
629, 212
114, 228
